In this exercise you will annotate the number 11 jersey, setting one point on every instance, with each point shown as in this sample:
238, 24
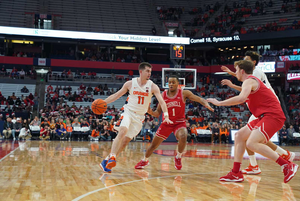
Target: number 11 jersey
139, 97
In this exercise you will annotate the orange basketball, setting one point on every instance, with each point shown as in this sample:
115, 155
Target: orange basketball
99, 106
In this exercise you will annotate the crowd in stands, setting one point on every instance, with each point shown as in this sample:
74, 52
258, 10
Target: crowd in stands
18, 104
232, 20
60, 94
17, 73
26, 54
170, 13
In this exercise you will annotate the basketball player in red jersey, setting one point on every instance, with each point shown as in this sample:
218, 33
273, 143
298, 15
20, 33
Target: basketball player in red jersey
264, 104
253, 166
175, 99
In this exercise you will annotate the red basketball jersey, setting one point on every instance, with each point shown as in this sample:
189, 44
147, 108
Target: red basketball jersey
175, 105
263, 101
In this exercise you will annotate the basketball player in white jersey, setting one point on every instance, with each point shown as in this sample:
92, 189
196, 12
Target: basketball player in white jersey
253, 167
129, 125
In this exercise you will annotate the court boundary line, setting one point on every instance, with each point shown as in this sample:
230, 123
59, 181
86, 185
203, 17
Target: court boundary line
8, 154
133, 181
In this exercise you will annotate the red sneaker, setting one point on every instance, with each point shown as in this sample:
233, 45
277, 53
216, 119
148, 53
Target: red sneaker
251, 170
289, 157
141, 164
231, 176
178, 164
289, 171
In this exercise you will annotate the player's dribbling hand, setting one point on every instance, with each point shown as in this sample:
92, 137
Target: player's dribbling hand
226, 82
213, 101
167, 120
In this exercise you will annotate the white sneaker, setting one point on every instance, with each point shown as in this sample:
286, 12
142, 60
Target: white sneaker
289, 157
251, 170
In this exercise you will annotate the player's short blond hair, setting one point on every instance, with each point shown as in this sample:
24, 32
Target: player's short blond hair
247, 66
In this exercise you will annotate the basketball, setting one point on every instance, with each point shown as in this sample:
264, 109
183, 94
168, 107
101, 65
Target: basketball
99, 106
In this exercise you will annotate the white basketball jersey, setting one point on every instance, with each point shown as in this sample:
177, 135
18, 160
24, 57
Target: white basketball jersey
262, 76
139, 97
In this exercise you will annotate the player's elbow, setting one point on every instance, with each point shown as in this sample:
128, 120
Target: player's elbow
242, 99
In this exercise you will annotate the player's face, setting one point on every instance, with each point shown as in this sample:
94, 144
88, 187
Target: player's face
146, 73
238, 73
173, 84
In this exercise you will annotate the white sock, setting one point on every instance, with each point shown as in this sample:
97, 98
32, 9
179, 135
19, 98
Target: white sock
113, 155
107, 158
252, 159
179, 155
145, 159
281, 151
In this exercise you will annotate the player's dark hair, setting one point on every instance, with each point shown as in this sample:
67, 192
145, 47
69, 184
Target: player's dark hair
174, 75
247, 66
143, 65
253, 55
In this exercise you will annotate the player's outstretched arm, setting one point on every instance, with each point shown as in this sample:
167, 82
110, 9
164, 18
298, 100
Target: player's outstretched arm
227, 70
126, 87
241, 98
155, 113
163, 105
231, 85
188, 94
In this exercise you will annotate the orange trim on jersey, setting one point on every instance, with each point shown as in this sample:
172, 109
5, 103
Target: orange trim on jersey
140, 93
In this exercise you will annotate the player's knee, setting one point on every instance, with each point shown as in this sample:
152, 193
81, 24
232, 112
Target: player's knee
239, 136
181, 136
250, 145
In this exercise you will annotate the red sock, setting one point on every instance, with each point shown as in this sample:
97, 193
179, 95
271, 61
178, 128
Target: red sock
280, 161
236, 167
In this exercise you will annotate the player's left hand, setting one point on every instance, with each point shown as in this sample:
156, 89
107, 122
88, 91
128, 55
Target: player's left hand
167, 120
213, 101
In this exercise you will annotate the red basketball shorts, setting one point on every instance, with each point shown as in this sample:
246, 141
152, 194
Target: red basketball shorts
165, 129
267, 125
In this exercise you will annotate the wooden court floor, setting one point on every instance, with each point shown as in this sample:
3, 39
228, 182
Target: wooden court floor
54, 170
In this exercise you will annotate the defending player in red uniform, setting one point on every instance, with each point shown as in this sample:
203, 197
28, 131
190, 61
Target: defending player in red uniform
264, 105
175, 99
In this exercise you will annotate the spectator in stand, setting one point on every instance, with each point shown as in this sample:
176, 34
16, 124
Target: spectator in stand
85, 125
45, 133
130, 74
224, 133
69, 129
24, 90
7, 128
105, 133
95, 134
22, 74
35, 122
13, 96
147, 130
215, 133
61, 132
291, 137
283, 136
16, 128
52, 129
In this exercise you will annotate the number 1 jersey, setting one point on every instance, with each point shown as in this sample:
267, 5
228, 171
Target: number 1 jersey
175, 105
139, 97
